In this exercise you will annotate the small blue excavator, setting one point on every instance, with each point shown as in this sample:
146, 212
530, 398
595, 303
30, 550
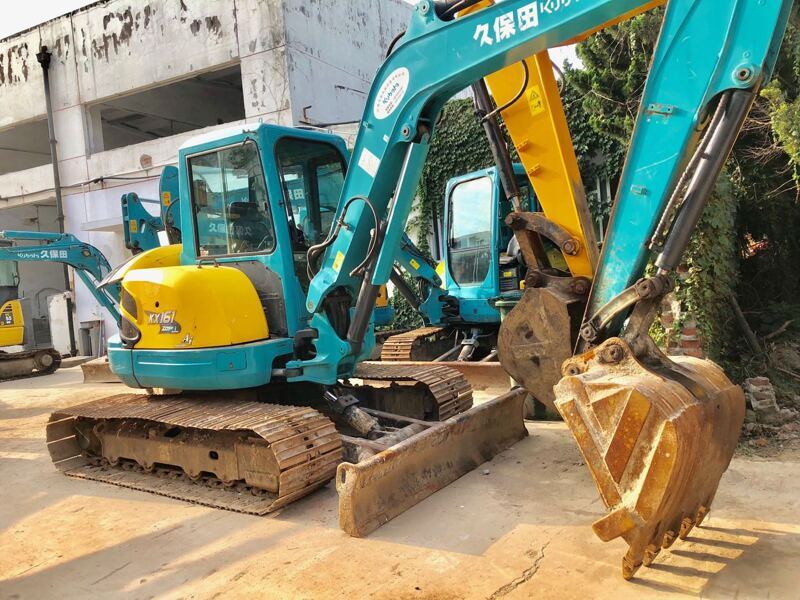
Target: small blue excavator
90, 265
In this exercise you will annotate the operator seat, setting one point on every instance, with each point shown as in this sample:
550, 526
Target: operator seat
250, 229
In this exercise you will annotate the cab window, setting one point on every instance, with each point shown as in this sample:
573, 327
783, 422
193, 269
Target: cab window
470, 235
9, 279
230, 201
312, 176
8, 273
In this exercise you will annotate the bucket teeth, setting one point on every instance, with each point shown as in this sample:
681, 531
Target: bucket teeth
650, 554
657, 440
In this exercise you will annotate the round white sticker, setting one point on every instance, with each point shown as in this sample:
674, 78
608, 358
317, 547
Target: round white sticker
391, 93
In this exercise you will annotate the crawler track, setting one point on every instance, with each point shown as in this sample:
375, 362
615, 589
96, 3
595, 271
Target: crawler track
439, 392
425, 343
279, 453
27, 363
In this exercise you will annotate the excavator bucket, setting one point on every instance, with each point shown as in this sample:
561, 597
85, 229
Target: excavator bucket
374, 491
657, 440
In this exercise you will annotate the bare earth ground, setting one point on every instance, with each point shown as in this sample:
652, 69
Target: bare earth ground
521, 530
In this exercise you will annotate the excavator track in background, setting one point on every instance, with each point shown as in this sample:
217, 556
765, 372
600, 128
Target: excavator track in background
29, 363
422, 344
429, 393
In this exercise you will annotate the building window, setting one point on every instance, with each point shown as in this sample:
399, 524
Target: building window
207, 99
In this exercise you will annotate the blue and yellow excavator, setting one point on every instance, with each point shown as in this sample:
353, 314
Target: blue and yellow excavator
19, 356
90, 266
252, 333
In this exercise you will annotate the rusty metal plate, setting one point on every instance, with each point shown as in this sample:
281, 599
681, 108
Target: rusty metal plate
375, 491
536, 338
98, 371
656, 450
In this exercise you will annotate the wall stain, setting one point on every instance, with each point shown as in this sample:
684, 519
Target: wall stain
213, 25
61, 47
14, 64
118, 30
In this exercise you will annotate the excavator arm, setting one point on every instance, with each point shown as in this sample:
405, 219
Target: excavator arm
89, 263
657, 434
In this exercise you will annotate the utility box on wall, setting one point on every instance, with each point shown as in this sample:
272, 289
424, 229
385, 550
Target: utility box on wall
59, 322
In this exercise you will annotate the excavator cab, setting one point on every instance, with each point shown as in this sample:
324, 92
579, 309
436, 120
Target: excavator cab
478, 267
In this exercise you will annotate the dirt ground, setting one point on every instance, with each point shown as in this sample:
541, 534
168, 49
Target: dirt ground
517, 527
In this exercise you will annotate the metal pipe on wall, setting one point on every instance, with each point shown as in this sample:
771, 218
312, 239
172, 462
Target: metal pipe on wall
44, 56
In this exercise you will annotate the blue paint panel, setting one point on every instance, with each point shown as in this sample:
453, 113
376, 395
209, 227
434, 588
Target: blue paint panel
248, 365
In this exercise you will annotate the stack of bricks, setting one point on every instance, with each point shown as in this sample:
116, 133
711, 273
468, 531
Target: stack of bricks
762, 404
688, 341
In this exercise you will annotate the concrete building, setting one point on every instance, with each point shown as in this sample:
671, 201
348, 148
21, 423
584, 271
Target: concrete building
133, 79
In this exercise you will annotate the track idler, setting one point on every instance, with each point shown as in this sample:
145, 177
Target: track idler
657, 436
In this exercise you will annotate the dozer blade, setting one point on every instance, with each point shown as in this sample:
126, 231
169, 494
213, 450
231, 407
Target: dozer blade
657, 440
378, 489
98, 371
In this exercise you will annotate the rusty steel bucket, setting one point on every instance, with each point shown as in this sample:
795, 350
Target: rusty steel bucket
657, 438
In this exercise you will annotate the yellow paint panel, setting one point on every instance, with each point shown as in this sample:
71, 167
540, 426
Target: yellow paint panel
163, 256
383, 297
623, 17
193, 307
539, 131
337, 262
12, 324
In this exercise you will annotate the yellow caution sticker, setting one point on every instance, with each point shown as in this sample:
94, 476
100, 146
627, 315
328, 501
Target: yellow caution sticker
337, 262
166, 197
535, 100
508, 273
414, 264
133, 226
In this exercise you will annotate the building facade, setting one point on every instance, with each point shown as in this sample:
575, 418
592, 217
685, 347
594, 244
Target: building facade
131, 80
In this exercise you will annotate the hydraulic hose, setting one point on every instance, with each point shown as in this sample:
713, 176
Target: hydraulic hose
314, 251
